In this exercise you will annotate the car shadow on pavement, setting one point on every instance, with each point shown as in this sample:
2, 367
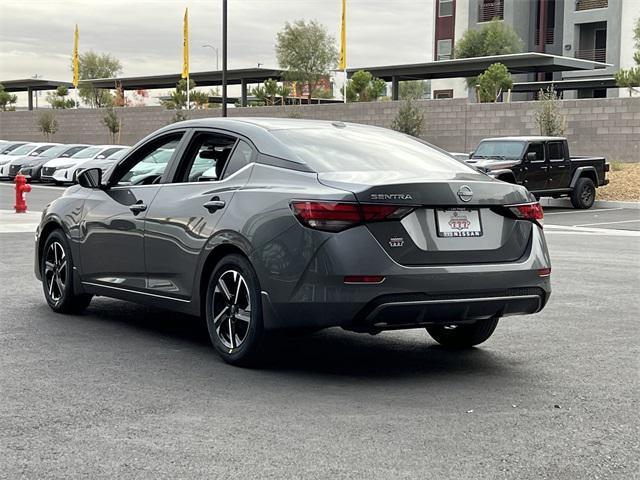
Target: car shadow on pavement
328, 352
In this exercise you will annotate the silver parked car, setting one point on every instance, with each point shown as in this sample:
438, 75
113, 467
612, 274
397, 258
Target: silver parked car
301, 224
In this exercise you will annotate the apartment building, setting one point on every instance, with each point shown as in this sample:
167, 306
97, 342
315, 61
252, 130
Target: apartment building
599, 30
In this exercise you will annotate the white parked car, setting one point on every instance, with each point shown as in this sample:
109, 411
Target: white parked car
11, 162
66, 174
103, 164
52, 166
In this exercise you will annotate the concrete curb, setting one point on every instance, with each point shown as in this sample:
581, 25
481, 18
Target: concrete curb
566, 203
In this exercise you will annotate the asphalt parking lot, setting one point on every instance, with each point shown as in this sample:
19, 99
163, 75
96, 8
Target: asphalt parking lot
136, 392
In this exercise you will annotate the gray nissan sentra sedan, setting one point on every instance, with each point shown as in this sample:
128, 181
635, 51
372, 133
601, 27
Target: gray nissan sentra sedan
269, 224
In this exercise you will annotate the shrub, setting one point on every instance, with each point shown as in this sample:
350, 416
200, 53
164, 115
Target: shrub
47, 124
548, 116
409, 120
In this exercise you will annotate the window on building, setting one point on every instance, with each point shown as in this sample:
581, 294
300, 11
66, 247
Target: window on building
444, 49
440, 94
445, 8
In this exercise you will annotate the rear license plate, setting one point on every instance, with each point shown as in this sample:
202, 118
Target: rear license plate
458, 222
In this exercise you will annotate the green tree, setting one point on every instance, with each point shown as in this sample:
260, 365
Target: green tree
7, 100
494, 38
94, 65
177, 99
409, 120
269, 92
112, 122
364, 87
548, 116
58, 98
493, 81
306, 52
321, 92
413, 89
47, 124
630, 78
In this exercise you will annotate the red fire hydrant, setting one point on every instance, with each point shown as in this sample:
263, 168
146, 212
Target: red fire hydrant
22, 187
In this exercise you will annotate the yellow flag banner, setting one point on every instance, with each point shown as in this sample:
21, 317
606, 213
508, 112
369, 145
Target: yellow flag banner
343, 38
185, 45
76, 69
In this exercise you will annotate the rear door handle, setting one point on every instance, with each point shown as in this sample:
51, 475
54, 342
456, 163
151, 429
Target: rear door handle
213, 205
138, 207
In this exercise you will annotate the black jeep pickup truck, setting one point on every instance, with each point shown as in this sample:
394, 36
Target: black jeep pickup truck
543, 165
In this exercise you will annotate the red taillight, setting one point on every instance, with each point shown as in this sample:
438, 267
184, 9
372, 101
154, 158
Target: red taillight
544, 272
528, 211
338, 216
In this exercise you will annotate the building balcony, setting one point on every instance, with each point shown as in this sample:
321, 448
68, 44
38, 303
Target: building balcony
590, 4
593, 54
487, 11
549, 36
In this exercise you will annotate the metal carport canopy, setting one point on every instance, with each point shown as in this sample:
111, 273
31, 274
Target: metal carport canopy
30, 85
530, 62
243, 76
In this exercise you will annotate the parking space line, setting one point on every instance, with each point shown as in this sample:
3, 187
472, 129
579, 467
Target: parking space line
584, 211
569, 230
607, 223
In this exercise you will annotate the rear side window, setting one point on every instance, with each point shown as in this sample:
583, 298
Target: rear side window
556, 151
354, 148
241, 156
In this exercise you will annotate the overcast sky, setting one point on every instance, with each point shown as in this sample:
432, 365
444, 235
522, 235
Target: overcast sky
36, 36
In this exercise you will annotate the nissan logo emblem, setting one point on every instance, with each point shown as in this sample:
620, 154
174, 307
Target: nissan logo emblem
465, 193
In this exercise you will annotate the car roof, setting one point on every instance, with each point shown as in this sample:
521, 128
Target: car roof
258, 130
530, 138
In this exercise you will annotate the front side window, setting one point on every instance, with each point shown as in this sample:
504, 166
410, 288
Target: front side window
556, 151
148, 164
538, 149
444, 49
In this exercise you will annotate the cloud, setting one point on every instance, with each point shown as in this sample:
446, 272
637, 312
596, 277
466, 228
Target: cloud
36, 36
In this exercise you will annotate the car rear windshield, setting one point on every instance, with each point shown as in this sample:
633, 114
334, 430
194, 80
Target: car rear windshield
502, 149
353, 148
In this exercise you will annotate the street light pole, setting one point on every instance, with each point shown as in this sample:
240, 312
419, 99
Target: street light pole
224, 58
215, 49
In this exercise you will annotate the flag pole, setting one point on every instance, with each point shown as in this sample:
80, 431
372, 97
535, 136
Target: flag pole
185, 53
76, 66
343, 48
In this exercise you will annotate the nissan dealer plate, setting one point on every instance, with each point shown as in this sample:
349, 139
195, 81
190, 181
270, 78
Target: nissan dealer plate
458, 222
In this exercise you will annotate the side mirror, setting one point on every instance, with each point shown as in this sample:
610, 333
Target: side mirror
90, 178
531, 156
471, 153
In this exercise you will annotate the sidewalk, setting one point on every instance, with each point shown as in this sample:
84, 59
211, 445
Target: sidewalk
11, 222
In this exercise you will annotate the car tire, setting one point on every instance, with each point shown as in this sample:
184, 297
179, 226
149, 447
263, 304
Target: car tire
56, 268
584, 194
234, 311
465, 335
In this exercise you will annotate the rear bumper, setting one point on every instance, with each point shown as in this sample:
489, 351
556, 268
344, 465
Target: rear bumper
409, 296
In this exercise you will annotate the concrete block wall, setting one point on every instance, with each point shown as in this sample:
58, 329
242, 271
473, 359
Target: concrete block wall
608, 126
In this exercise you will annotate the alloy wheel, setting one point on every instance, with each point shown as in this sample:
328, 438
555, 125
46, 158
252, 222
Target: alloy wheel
587, 195
55, 271
231, 309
